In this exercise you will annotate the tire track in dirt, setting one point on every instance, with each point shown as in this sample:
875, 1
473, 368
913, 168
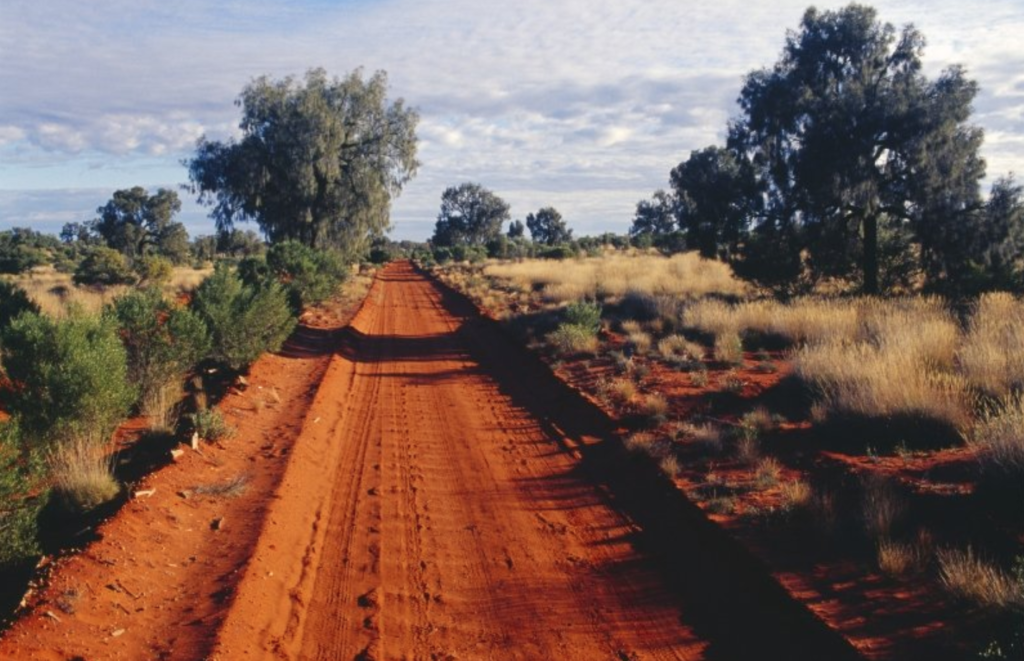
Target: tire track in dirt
448, 515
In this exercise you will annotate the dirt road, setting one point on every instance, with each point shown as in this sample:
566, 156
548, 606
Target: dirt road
443, 503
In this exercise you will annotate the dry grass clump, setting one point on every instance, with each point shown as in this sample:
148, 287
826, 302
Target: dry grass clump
864, 379
55, 293
614, 275
969, 577
640, 341
83, 475
678, 347
900, 558
654, 408
729, 348
571, 339
999, 435
883, 507
796, 494
706, 435
670, 465
639, 442
621, 391
767, 472
992, 353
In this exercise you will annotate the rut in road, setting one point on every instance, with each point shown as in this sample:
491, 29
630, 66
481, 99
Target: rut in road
449, 514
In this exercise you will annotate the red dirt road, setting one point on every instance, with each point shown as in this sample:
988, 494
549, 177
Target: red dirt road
454, 527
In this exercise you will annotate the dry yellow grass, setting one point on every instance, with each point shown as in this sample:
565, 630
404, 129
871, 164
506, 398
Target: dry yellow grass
969, 577
999, 436
615, 275
55, 293
83, 475
992, 354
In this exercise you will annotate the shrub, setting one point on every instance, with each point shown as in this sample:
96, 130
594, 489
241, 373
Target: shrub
19, 477
154, 270
13, 301
71, 376
585, 314
210, 425
104, 266
244, 321
573, 338
310, 276
163, 342
83, 476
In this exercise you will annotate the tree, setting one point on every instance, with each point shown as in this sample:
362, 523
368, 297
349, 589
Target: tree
470, 215
318, 162
516, 229
714, 190
851, 142
136, 224
548, 227
654, 217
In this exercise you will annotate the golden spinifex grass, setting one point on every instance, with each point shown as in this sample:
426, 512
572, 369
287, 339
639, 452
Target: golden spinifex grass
992, 353
55, 292
614, 275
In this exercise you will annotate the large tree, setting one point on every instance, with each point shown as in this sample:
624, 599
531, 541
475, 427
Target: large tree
852, 144
714, 191
470, 215
318, 161
137, 224
548, 227
655, 217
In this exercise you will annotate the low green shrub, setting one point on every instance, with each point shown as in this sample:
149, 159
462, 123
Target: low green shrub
585, 314
103, 266
13, 301
310, 276
19, 508
163, 342
244, 321
70, 375
211, 426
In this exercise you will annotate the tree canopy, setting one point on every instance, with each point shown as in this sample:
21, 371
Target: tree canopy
853, 146
137, 224
548, 227
319, 161
470, 215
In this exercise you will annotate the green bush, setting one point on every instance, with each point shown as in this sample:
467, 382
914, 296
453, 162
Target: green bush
70, 376
13, 301
19, 510
210, 425
244, 321
103, 266
163, 342
310, 276
584, 314
154, 269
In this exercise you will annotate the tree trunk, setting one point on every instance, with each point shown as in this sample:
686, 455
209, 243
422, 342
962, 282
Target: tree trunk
870, 254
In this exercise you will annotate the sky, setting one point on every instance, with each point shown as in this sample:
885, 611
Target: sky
584, 105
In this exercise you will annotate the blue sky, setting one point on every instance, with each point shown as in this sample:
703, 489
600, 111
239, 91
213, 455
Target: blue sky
584, 105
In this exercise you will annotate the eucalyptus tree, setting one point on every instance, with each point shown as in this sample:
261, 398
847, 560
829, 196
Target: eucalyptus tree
470, 215
137, 224
319, 161
548, 227
655, 217
851, 143
714, 190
